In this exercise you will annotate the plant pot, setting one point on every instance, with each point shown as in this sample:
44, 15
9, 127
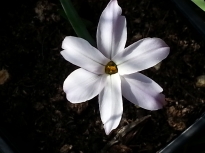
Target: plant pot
14, 140
191, 140
194, 14
5, 147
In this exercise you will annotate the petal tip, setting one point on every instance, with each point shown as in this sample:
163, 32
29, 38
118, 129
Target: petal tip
108, 129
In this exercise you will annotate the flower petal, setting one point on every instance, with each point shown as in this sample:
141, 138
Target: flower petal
141, 55
82, 85
112, 30
110, 103
79, 52
142, 91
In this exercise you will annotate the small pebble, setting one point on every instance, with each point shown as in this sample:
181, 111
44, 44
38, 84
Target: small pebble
4, 75
157, 67
200, 81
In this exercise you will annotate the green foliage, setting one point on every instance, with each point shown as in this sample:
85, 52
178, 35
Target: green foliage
200, 4
76, 22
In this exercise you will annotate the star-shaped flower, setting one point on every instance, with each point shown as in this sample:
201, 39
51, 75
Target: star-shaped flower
112, 71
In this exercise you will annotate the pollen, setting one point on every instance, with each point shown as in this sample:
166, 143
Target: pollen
111, 68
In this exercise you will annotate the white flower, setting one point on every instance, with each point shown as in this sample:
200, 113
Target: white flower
112, 70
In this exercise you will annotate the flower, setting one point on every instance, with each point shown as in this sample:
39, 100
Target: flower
112, 70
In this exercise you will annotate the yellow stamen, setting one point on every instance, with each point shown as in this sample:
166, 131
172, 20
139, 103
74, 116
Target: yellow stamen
111, 68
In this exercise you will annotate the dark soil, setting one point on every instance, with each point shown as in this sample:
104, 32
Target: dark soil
33, 107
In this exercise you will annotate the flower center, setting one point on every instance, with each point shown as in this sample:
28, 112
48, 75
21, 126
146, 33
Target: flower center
111, 68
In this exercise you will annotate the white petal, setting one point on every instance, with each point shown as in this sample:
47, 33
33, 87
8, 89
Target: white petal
110, 103
141, 55
82, 85
79, 52
112, 30
142, 91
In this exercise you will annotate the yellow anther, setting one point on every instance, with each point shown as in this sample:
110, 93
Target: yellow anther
111, 68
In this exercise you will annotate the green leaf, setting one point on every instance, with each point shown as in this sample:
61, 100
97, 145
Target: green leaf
76, 22
200, 4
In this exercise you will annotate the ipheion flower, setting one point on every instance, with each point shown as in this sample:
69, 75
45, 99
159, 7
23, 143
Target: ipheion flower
112, 71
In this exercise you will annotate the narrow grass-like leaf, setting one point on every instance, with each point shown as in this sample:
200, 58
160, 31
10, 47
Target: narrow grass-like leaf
200, 3
76, 21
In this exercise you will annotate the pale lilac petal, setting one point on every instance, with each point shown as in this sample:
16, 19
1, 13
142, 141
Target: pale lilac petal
110, 103
141, 55
112, 30
79, 52
142, 91
82, 85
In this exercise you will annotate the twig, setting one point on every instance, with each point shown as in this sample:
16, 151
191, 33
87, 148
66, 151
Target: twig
124, 131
